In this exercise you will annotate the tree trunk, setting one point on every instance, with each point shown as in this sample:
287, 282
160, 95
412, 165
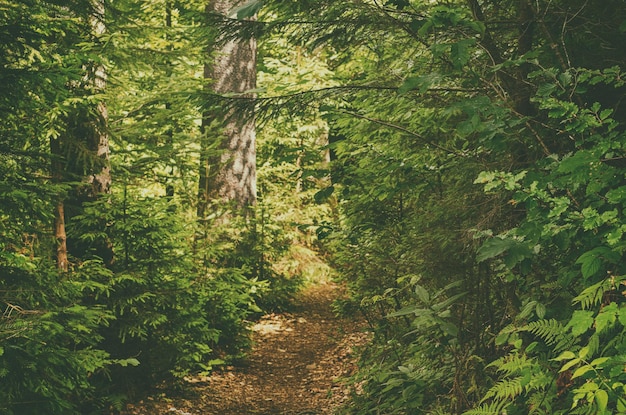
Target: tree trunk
100, 178
61, 237
229, 176
84, 151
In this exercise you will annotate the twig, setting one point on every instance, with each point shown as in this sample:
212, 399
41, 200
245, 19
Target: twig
403, 129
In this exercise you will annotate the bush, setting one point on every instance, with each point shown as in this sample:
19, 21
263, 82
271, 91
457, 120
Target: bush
49, 341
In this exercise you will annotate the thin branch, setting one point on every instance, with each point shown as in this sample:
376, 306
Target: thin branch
347, 88
402, 129
487, 41
565, 22
546, 32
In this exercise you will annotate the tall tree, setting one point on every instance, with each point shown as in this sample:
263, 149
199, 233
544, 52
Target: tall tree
230, 175
81, 153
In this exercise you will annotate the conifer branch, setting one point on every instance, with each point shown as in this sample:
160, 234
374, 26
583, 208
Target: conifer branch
402, 129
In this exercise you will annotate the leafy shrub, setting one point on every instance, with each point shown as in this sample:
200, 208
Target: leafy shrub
412, 365
174, 315
49, 339
565, 346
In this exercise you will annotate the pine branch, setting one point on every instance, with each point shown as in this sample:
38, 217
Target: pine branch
404, 130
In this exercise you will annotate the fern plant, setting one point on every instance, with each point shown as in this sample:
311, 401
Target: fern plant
577, 367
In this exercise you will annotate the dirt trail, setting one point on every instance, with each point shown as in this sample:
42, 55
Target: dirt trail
293, 368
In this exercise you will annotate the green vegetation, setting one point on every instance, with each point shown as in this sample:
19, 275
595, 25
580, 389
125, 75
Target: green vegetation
459, 164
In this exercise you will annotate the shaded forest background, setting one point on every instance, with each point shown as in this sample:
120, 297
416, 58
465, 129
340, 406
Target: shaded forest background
460, 165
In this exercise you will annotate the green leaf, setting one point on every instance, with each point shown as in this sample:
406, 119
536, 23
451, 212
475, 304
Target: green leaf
588, 387
445, 304
516, 254
582, 159
515, 250
324, 194
621, 406
485, 177
622, 315
532, 346
404, 369
617, 196
602, 399
590, 267
449, 328
126, 362
581, 322
413, 82
493, 247
502, 338
583, 352
425, 27
421, 83
409, 310
570, 364
581, 371
599, 361
540, 309
422, 294
606, 317
460, 52
591, 261
566, 355
247, 10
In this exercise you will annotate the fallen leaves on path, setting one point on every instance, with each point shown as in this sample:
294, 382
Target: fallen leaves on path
295, 367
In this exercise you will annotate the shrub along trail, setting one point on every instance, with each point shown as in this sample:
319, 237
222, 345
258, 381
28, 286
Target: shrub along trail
294, 367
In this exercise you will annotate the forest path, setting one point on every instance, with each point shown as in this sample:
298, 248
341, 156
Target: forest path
293, 368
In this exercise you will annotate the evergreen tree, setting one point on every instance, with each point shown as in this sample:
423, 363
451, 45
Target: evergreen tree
230, 175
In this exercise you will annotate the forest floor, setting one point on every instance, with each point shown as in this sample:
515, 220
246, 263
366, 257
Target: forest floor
295, 367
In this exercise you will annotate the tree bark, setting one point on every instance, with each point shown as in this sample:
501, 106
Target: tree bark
100, 179
83, 151
61, 237
229, 176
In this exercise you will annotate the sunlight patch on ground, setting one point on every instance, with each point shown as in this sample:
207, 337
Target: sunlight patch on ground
271, 324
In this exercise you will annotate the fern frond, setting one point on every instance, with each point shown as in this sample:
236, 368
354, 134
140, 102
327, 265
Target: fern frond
511, 363
506, 388
552, 285
539, 382
550, 331
494, 408
592, 295
538, 403
563, 343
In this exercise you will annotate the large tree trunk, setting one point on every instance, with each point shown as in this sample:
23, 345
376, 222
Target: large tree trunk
229, 176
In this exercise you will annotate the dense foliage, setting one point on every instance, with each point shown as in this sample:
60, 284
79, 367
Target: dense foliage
149, 293
460, 163
479, 167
